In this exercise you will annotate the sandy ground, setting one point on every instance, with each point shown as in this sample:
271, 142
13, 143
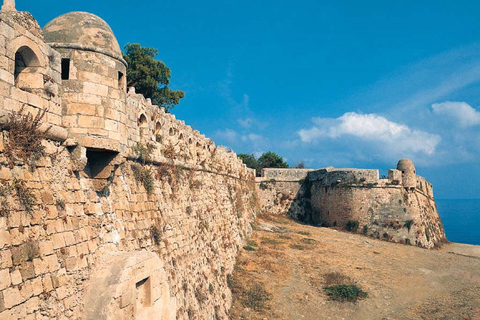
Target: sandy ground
290, 261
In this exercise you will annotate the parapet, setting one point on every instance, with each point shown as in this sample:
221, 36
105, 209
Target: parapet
285, 174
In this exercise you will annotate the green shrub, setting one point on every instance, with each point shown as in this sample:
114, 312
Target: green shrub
25, 195
263, 186
365, 230
144, 152
231, 282
352, 225
304, 233
255, 297
156, 235
345, 292
144, 176
271, 241
5, 190
297, 247
408, 224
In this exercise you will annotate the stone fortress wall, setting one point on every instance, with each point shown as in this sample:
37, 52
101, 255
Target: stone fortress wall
398, 208
129, 213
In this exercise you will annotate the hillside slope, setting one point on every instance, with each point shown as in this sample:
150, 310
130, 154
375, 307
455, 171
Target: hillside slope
292, 261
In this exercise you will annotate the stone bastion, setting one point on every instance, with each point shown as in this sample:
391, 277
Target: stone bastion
399, 207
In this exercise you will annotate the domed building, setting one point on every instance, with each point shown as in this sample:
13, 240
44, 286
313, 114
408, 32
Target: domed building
93, 74
409, 175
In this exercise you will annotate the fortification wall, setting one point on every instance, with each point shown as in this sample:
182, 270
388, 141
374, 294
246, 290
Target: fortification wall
283, 191
53, 245
384, 212
128, 213
358, 199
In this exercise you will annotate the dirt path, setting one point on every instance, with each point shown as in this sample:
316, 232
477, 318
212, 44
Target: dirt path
402, 282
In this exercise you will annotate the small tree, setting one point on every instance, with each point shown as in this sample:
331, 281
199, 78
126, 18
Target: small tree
249, 160
271, 160
150, 77
267, 160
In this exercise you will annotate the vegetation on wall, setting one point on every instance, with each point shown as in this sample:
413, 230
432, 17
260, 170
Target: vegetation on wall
150, 77
24, 137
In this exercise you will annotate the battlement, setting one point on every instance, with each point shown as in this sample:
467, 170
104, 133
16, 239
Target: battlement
81, 83
347, 177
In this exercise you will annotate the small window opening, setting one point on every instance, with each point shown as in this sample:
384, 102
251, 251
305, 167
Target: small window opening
98, 163
143, 294
65, 69
120, 80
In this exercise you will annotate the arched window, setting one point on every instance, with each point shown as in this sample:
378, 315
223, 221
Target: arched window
157, 134
26, 71
143, 125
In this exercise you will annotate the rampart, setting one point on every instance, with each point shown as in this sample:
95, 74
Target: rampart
127, 213
389, 208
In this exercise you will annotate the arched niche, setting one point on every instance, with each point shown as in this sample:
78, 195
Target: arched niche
29, 66
129, 285
156, 132
142, 125
27, 73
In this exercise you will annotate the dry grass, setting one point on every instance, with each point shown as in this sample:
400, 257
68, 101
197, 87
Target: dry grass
24, 137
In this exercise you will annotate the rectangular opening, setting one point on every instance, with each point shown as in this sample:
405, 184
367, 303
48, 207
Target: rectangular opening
143, 294
65, 69
98, 163
120, 80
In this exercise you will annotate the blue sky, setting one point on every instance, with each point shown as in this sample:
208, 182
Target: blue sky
342, 83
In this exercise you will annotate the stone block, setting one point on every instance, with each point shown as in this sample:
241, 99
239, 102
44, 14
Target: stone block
16, 277
91, 122
71, 264
81, 109
6, 259
5, 240
26, 290
37, 286
6, 76
41, 266
69, 238
5, 279
58, 241
27, 270
12, 297
47, 284
45, 247
89, 99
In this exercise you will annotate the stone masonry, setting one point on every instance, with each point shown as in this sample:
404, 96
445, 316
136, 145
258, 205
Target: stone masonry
123, 211
398, 208
128, 213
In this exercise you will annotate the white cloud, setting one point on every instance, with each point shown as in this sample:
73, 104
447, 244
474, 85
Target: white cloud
371, 132
462, 112
227, 135
245, 123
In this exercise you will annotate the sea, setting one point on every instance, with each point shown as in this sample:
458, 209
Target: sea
461, 219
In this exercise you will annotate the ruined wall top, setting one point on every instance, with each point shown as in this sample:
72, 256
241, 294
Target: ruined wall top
8, 5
